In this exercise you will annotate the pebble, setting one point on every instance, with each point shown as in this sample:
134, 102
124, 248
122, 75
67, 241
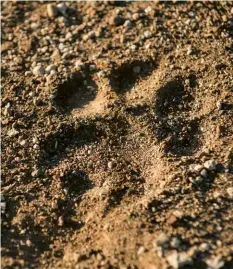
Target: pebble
197, 167
175, 242
204, 173
101, 74
219, 105
69, 35
37, 101
141, 250
161, 240
137, 69
61, 221
38, 71
49, 68
34, 25
147, 34
178, 260
196, 180
51, 10
35, 173
3, 207
135, 16
148, 10
92, 67
128, 24
205, 247
23, 143
111, 164
215, 263
230, 192
7, 111
12, 132
116, 20
210, 165
90, 35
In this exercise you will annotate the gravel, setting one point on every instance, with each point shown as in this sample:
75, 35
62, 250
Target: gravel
215, 262
179, 260
51, 10
210, 165
38, 71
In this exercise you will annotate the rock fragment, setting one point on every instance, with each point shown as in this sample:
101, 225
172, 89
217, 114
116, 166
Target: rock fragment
178, 260
215, 263
51, 10
38, 71
210, 165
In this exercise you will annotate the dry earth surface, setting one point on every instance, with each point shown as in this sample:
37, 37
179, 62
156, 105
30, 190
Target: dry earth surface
117, 135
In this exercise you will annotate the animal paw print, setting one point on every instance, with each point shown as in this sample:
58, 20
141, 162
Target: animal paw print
122, 132
176, 126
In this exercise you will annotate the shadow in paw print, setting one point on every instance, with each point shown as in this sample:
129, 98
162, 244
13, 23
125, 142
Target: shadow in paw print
115, 198
172, 105
123, 78
69, 136
54, 146
138, 110
77, 183
173, 98
75, 92
181, 137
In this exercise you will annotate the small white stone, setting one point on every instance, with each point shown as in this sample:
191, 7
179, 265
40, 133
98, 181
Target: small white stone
197, 167
230, 192
28, 243
147, 34
53, 72
210, 165
12, 132
90, 35
101, 74
205, 247
3, 207
128, 24
148, 10
215, 263
133, 47
141, 250
23, 143
78, 64
68, 35
27, 73
161, 240
175, 242
92, 67
204, 173
34, 25
178, 260
110, 165
38, 71
36, 146
50, 68
60, 221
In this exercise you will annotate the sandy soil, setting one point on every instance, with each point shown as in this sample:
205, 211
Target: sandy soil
117, 135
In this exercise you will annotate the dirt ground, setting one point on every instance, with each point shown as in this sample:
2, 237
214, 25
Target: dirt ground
117, 135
